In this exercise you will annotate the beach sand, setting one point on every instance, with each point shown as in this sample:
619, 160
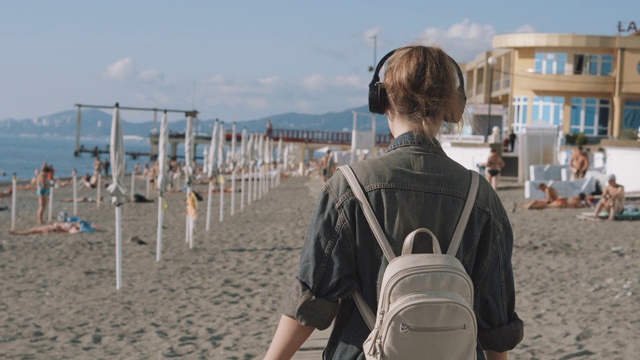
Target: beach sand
577, 280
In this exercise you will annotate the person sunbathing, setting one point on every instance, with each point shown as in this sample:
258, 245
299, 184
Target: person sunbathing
572, 202
70, 227
551, 195
57, 227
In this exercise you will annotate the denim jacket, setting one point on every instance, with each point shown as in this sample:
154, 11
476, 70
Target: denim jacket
413, 185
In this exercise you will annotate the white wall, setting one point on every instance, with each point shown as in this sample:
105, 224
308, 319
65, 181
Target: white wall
625, 164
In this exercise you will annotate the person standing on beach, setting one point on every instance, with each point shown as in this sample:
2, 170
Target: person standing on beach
328, 166
512, 140
414, 184
579, 163
494, 165
43, 191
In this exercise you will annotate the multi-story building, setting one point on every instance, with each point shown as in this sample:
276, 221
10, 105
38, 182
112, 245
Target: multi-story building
582, 83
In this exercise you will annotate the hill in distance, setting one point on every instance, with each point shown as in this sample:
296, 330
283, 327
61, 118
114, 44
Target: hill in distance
97, 123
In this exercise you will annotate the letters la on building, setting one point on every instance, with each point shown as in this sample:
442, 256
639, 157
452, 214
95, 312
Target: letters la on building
582, 83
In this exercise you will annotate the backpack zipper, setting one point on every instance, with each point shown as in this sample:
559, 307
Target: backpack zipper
406, 328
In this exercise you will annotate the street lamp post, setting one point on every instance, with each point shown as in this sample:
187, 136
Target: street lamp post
491, 61
375, 50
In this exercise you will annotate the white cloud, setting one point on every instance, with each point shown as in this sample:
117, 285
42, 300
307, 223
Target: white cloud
216, 79
269, 81
317, 82
257, 103
149, 75
526, 28
313, 82
463, 40
120, 69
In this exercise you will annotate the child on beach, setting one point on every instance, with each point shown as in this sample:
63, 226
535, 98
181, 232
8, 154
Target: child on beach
43, 191
414, 184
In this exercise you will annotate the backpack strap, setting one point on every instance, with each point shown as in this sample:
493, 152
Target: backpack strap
464, 217
366, 312
368, 212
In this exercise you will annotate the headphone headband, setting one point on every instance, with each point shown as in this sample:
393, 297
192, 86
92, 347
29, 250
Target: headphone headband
378, 94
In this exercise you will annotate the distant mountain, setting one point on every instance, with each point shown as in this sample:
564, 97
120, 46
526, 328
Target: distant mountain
97, 123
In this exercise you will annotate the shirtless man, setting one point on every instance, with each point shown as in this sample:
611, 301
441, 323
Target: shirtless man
579, 163
612, 199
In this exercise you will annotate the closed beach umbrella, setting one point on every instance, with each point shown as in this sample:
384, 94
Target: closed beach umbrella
162, 177
212, 169
188, 149
243, 148
188, 171
234, 160
117, 189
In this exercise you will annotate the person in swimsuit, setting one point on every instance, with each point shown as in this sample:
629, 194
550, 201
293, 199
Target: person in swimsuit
494, 165
57, 227
551, 199
612, 200
43, 191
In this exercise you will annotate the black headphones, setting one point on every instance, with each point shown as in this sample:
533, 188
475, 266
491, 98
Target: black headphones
378, 94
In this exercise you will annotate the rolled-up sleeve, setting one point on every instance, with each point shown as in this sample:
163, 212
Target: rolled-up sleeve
499, 327
327, 272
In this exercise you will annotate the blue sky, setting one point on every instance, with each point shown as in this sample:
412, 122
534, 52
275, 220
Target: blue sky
246, 59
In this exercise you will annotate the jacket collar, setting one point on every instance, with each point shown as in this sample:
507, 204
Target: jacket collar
411, 138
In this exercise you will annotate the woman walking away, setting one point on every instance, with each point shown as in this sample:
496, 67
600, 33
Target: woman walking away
413, 185
43, 190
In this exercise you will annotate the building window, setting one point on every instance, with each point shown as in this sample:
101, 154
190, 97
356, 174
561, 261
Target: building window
594, 65
590, 116
631, 115
520, 105
548, 109
550, 63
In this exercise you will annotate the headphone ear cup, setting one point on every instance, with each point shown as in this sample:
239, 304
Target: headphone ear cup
377, 98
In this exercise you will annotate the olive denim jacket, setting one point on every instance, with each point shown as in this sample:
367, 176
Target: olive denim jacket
413, 185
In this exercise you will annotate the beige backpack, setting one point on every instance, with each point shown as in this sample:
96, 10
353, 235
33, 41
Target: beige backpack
425, 309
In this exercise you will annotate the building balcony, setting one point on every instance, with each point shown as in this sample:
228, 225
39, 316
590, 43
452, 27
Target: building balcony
565, 83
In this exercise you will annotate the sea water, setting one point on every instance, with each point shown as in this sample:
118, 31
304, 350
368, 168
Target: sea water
23, 154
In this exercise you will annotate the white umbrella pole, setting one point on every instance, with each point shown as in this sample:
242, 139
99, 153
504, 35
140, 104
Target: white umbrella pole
74, 179
187, 222
221, 200
249, 187
147, 189
98, 190
50, 203
209, 198
160, 220
118, 247
14, 194
133, 183
261, 188
192, 225
256, 185
242, 190
233, 192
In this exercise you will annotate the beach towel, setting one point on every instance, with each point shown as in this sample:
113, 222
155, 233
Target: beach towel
85, 226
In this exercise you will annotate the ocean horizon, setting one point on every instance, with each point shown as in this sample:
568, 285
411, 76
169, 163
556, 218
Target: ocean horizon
25, 153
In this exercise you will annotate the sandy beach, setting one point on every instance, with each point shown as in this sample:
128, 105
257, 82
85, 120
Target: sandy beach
577, 280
